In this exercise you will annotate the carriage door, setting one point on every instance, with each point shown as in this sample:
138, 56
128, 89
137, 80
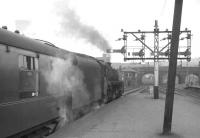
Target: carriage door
28, 76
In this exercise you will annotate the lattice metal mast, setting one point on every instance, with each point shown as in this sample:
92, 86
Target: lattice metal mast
158, 52
156, 60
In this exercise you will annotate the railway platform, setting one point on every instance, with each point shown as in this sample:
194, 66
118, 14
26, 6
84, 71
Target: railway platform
136, 115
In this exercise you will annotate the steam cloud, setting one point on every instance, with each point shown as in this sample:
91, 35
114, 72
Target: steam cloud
71, 25
65, 81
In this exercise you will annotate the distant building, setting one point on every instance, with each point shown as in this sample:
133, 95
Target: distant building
129, 76
105, 57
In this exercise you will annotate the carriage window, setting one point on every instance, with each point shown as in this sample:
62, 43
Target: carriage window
28, 62
28, 76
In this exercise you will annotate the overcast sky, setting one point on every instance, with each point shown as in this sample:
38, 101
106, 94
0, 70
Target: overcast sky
65, 22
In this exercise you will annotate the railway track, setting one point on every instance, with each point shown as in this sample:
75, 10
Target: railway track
136, 90
183, 92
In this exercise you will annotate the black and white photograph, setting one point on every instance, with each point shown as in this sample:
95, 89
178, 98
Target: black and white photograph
99, 69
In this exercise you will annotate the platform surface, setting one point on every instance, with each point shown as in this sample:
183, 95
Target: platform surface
136, 115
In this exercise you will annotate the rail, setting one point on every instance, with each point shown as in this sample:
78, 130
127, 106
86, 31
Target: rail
183, 92
138, 90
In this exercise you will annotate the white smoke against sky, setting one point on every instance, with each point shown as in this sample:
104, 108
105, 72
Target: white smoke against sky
64, 80
60, 24
71, 25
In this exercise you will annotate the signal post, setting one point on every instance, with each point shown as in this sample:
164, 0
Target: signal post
157, 52
156, 60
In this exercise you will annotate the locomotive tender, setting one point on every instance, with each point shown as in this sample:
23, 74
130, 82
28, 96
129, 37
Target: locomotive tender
42, 85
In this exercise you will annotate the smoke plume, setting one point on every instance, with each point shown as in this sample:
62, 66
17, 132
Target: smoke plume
71, 25
64, 80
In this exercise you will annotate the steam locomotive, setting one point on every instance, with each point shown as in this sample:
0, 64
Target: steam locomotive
42, 86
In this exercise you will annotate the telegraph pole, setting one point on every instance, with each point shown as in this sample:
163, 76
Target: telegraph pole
172, 67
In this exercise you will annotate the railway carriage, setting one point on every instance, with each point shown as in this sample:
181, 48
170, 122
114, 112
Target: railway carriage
42, 85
